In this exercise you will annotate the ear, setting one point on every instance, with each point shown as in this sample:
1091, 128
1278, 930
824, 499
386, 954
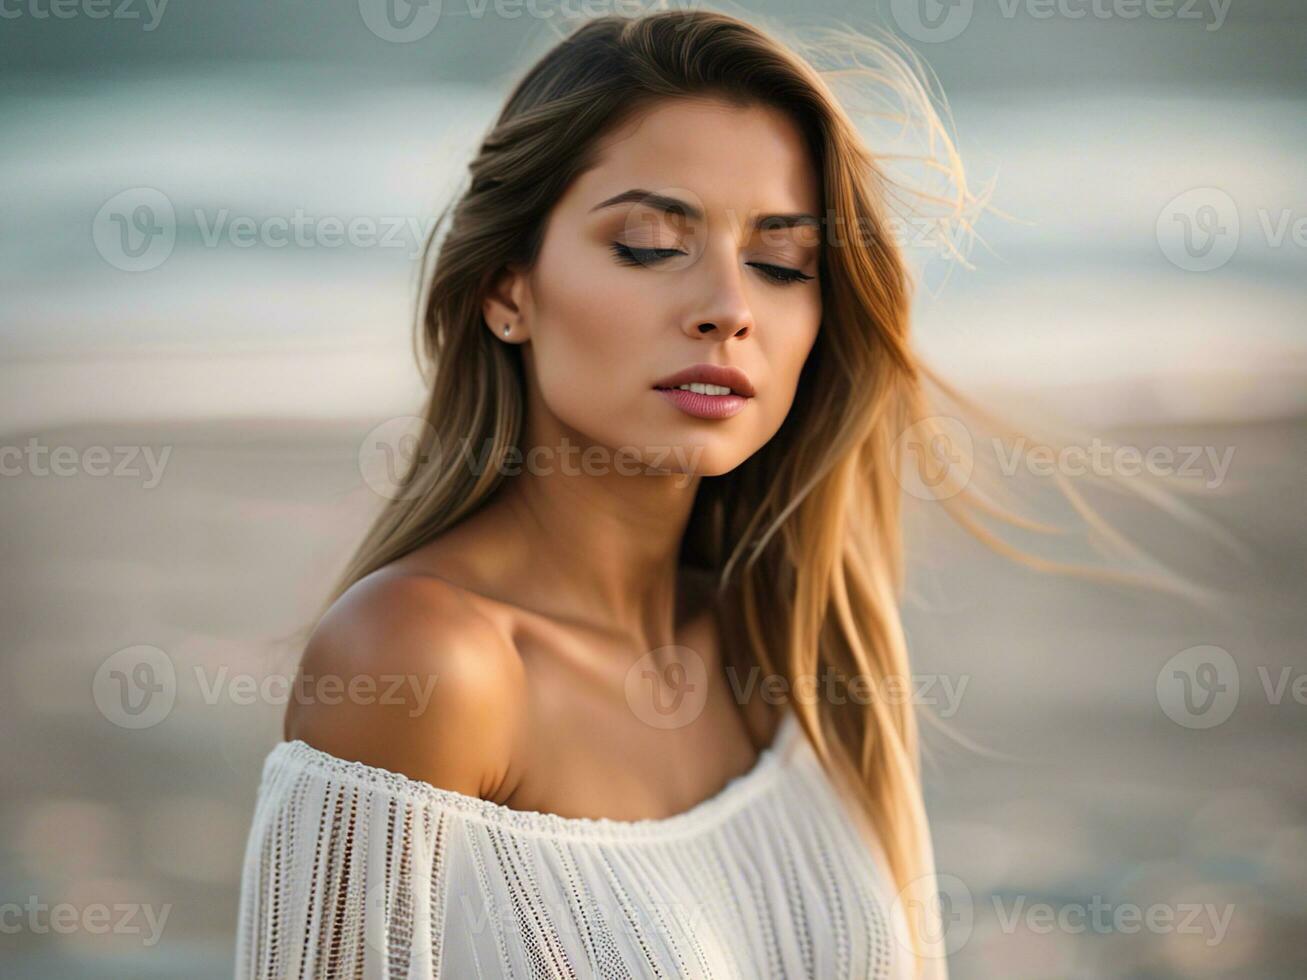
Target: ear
506, 304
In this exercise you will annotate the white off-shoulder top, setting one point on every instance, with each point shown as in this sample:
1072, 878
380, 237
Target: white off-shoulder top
352, 871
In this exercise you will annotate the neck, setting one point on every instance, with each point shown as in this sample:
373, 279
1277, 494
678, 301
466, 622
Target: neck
603, 538
606, 545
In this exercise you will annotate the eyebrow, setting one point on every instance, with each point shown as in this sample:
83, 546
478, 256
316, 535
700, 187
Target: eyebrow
672, 205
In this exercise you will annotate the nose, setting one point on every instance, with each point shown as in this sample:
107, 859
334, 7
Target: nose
723, 327
724, 313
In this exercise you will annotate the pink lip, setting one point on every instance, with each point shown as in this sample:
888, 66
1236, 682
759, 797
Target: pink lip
713, 374
704, 406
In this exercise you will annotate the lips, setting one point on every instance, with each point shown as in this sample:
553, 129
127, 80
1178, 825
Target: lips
704, 406
711, 374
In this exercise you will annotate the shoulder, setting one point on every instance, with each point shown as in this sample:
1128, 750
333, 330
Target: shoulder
422, 682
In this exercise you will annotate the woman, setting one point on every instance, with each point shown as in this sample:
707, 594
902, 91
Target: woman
642, 563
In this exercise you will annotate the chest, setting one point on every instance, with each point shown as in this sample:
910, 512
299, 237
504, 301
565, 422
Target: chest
775, 889
628, 735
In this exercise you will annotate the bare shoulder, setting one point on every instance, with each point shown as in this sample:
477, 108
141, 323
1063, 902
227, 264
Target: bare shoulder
408, 673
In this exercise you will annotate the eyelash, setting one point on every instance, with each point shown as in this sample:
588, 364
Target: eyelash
629, 255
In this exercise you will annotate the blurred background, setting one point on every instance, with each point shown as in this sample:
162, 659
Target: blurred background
211, 214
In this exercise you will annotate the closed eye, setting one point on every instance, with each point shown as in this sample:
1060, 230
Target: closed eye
631, 255
780, 273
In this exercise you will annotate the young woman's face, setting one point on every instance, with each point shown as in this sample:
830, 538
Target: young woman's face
694, 241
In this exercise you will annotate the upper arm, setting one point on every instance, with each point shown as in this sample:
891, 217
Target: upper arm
405, 673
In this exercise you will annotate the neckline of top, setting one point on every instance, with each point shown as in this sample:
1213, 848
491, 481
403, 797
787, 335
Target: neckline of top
701, 816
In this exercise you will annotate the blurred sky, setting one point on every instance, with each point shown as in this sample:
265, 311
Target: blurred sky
1092, 127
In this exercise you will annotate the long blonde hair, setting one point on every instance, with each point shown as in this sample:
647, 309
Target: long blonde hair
804, 537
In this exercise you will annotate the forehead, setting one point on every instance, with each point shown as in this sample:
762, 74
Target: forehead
730, 156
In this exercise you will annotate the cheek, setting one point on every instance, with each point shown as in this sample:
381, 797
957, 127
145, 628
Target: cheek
589, 339
788, 348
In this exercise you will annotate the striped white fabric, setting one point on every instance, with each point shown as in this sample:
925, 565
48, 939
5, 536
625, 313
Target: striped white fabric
355, 872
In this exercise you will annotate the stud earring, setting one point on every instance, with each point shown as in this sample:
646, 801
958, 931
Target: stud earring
506, 328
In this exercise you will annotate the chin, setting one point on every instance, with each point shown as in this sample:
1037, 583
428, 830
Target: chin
706, 458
